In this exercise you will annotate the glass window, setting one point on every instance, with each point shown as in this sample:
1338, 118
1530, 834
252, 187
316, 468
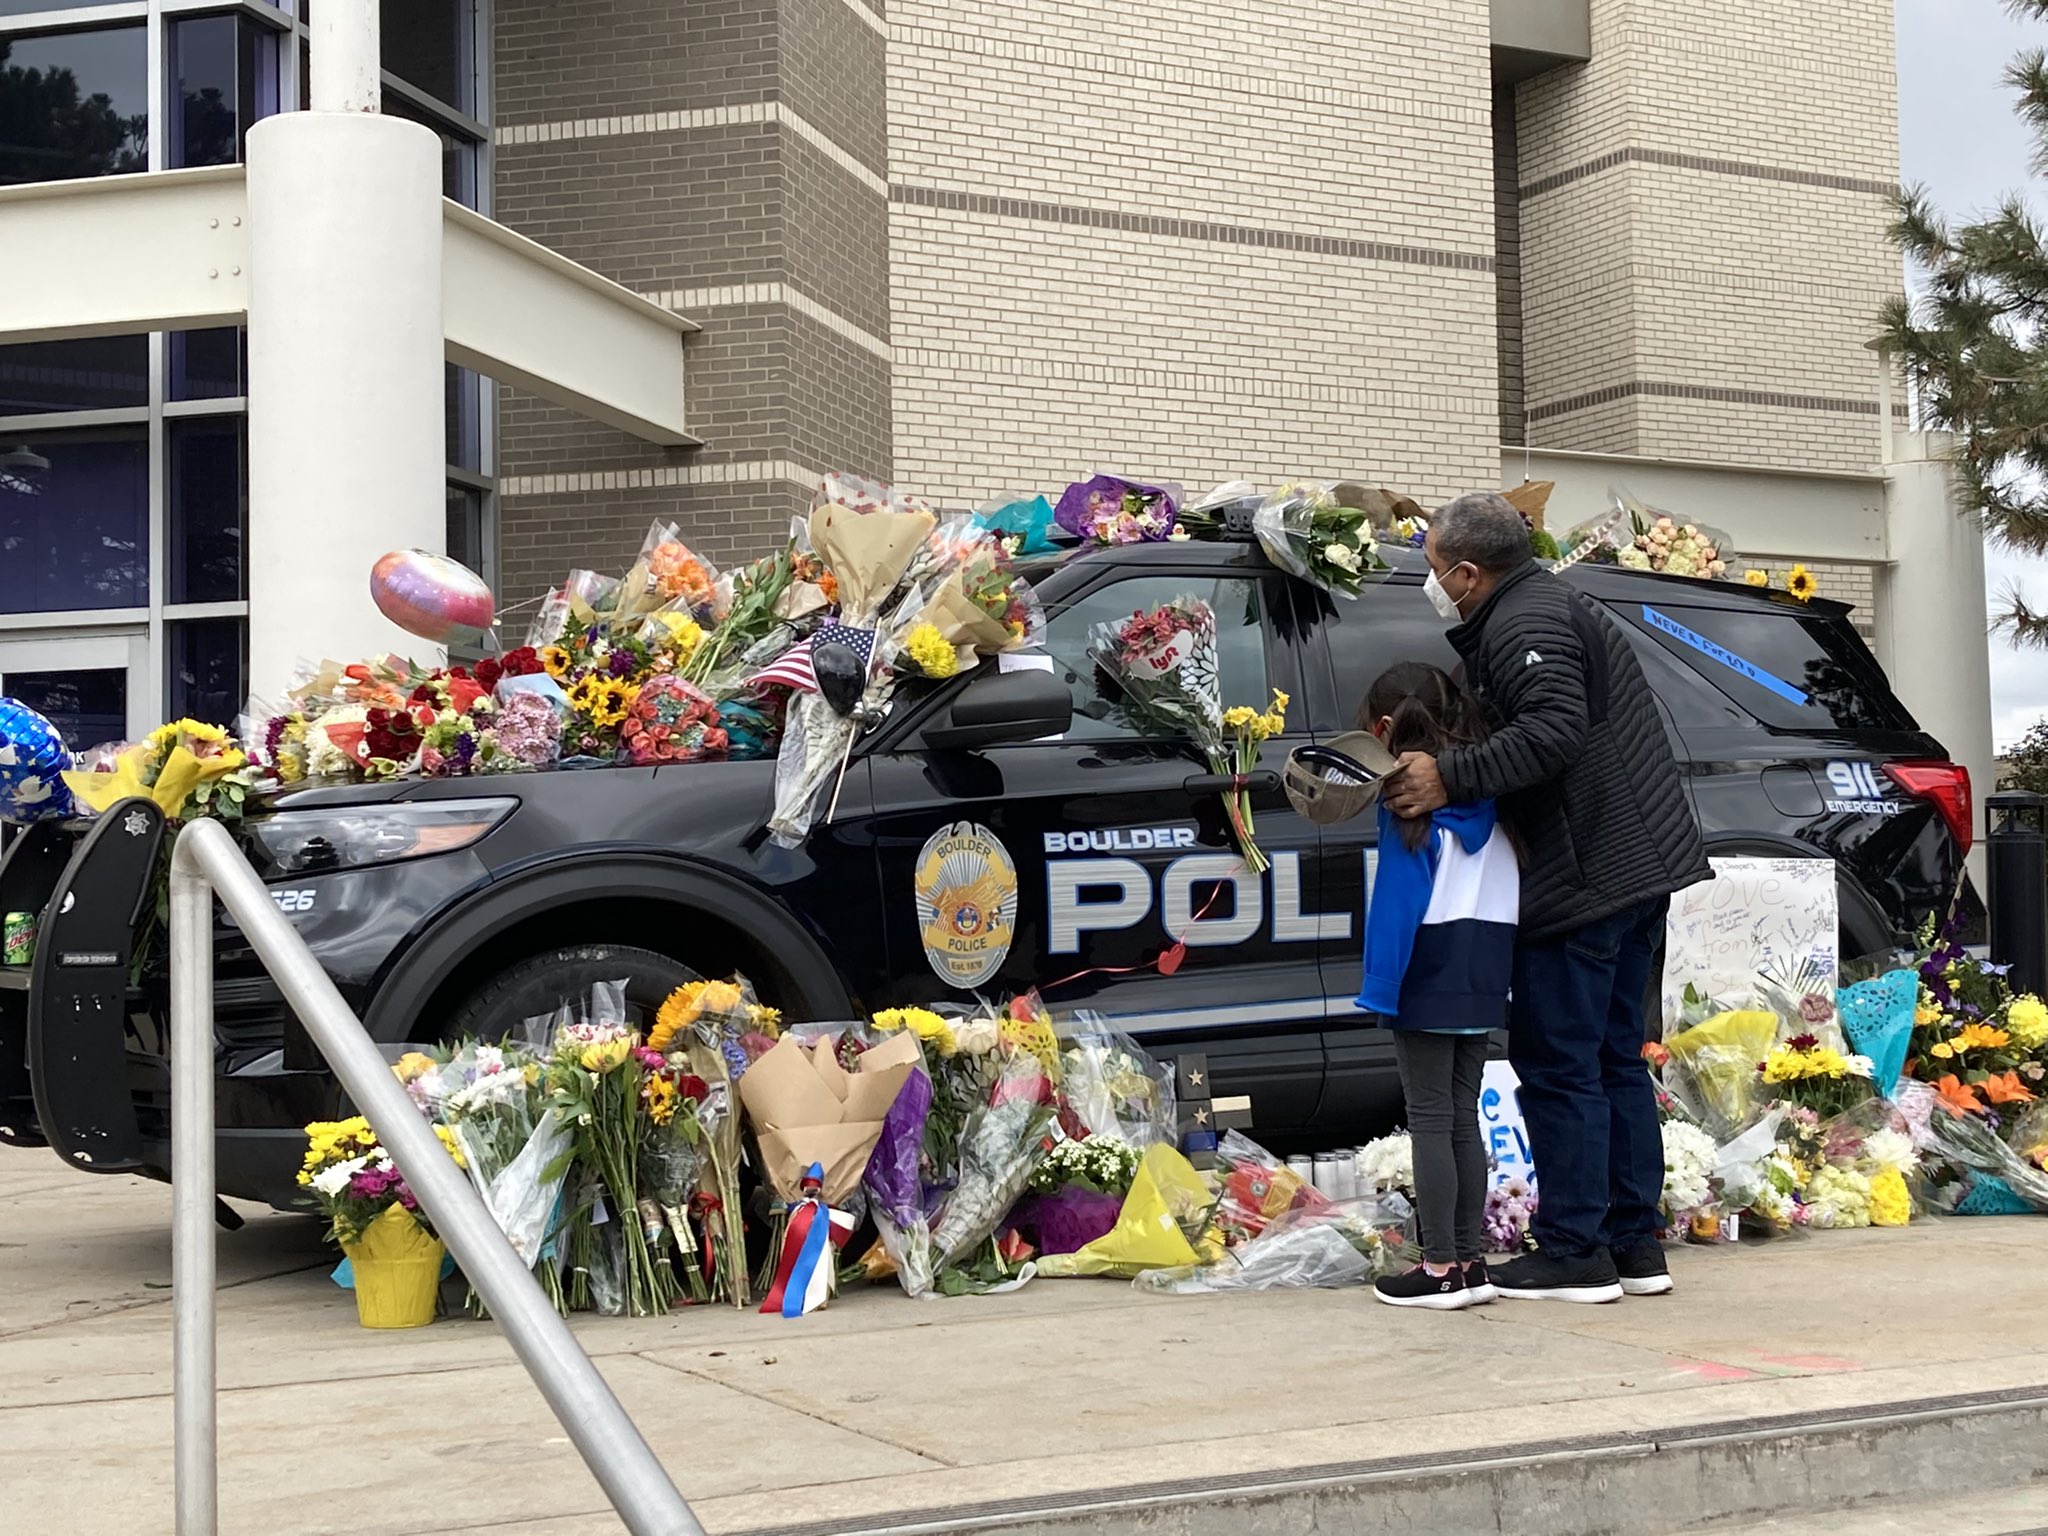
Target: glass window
99, 374
209, 506
225, 75
1386, 623
426, 44
466, 526
465, 421
209, 669
74, 104
88, 707
208, 365
458, 152
74, 520
1240, 642
1800, 671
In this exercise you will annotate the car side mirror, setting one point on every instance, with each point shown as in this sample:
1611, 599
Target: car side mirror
1002, 707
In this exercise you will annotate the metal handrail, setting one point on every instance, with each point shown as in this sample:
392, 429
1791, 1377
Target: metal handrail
205, 863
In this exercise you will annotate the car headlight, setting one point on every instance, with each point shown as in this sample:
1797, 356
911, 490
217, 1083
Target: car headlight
311, 842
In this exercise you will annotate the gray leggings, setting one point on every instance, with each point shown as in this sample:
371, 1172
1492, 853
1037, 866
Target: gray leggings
1440, 1078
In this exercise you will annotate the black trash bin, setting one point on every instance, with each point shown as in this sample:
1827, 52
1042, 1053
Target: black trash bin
2016, 870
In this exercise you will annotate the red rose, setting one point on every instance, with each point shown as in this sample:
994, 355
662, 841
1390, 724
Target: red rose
488, 671
692, 1088
630, 729
658, 731
715, 740
521, 661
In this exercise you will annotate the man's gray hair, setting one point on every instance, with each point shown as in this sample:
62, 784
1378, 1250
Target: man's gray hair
1484, 528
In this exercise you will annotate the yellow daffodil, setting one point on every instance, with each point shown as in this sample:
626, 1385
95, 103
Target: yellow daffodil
1238, 716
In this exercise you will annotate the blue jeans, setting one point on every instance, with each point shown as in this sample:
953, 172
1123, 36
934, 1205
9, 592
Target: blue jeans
1575, 1038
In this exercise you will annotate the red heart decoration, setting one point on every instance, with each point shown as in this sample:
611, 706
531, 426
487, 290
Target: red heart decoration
1170, 961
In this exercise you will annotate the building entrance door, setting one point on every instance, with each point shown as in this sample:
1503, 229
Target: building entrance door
90, 687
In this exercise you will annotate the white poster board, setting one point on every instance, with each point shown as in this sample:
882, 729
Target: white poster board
1501, 1127
1754, 915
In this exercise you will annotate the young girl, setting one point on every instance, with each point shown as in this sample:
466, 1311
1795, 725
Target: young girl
1439, 954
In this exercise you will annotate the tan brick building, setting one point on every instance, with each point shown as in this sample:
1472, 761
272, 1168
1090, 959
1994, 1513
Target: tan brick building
977, 249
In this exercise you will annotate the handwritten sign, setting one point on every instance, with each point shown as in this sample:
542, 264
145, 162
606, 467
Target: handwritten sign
1755, 915
1501, 1127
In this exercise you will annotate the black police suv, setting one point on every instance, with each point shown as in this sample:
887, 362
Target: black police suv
1000, 831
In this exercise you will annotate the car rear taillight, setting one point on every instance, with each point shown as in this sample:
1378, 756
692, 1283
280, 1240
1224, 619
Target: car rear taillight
1947, 786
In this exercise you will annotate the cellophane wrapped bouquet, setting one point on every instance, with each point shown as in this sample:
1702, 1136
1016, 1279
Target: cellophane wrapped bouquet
1305, 530
1162, 665
1108, 509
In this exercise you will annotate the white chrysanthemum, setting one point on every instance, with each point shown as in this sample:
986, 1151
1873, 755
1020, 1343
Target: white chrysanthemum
1689, 1159
333, 1179
1889, 1149
1388, 1164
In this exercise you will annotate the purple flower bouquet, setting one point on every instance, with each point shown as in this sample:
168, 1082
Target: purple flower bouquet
1111, 510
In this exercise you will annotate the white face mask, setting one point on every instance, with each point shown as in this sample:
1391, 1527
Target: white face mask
1442, 601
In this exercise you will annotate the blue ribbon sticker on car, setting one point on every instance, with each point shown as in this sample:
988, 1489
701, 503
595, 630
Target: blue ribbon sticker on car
1723, 655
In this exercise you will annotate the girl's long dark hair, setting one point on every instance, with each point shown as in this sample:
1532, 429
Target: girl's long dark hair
1428, 712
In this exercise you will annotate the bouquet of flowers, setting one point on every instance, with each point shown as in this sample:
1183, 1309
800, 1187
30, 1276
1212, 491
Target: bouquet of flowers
1690, 1156
1077, 1193
1678, 549
1804, 1072
670, 721
352, 1179
188, 768
1873, 1141
672, 1162
1107, 509
1387, 1166
1247, 729
1163, 664
1162, 1220
1109, 1088
1510, 1207
1338, 1243
1980, 1047
1257, 1190
1713, 1067
1305, 530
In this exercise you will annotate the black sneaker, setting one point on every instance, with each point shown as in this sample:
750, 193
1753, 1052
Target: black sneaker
1642, 1268
1479, 1281
1590, 1277
1419, 1288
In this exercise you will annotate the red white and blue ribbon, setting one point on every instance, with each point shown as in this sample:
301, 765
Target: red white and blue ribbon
810, 1247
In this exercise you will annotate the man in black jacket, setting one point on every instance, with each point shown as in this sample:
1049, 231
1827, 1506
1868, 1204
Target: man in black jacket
1585, 777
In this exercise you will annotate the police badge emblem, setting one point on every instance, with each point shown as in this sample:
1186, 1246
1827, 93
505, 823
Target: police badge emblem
966, 888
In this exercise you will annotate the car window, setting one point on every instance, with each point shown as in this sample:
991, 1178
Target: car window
1384, 624
1240, 642
1797, 671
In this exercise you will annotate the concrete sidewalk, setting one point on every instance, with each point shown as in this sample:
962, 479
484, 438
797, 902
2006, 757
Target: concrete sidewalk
1021, 1412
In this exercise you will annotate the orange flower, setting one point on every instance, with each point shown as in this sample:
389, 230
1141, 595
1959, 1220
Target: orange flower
2004, 1088
1956, 1097
1655, 1054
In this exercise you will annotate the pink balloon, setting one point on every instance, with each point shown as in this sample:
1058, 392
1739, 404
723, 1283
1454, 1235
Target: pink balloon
431, 596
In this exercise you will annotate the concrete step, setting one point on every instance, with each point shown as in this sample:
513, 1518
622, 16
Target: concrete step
1951, 1455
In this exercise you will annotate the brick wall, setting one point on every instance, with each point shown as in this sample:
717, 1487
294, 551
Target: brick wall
1194, 240
1702, 218
727, 158
1507, 258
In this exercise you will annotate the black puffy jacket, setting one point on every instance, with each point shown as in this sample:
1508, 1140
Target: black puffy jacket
1578, 759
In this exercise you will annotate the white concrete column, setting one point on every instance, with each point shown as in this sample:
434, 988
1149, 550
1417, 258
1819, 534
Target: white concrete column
343, 39
347, 447
1935, 614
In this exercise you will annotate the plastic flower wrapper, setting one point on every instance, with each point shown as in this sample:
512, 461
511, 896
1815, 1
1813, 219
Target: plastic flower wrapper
977, 600
1966, 1140
2028, 1134
1023, 522
1713, 1067
1107, 509
1305, 530
1345, 1243
1162, 1219
1257, 1188
678, 580
1209, 514
513, 1142
1877, 1020
670, 720
859, 494
999, 1146
1805, 999
673, 1163
1110, 1087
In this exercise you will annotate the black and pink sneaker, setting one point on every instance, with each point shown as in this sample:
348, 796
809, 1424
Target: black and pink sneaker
1419, 1288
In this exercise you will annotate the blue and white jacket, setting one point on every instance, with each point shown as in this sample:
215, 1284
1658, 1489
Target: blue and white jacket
1440, 927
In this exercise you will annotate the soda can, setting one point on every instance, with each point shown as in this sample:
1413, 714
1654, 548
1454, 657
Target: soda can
18, 938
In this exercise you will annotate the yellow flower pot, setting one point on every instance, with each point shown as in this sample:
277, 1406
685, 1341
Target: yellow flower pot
397, 1266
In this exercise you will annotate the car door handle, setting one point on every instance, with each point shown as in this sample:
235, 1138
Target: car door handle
1258, 781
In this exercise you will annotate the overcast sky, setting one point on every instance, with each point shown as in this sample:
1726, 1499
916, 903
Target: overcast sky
1957, 133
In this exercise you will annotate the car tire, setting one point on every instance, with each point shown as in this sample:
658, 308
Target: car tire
536, 988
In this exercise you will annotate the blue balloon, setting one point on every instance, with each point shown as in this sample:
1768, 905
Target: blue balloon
32, 762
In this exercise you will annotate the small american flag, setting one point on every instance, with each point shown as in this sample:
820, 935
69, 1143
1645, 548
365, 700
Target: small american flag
793, 669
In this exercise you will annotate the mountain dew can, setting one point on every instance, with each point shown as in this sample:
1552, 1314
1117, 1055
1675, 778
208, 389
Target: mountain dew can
18, 938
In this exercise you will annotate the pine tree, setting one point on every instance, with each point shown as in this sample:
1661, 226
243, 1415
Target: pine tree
1975, 343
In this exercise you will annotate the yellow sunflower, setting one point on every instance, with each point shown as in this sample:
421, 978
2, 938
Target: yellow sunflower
1801, 583
556, 660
